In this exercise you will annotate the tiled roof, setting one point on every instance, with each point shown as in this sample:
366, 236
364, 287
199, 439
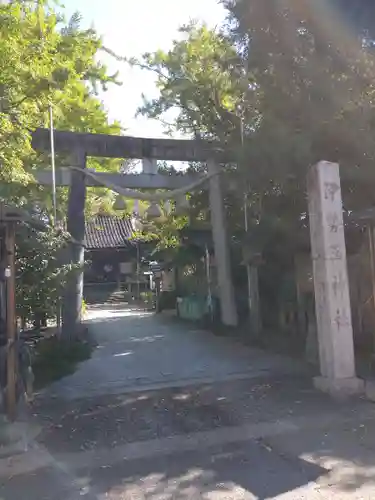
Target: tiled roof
105, 231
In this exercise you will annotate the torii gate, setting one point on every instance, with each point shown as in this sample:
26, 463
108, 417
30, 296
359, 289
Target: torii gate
81, 145
335, 333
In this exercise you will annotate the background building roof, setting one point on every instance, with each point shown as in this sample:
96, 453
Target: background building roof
106, 231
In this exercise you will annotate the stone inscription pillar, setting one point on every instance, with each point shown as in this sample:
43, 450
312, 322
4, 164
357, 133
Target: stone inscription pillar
332, 302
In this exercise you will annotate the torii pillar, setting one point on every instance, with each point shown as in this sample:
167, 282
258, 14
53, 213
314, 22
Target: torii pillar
221, 248
332, 301
73, 293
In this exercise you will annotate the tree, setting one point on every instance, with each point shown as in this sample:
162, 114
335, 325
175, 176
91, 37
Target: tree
203, 77
40, 273
46, 61
200, 76
285, 84
206, 78
315, 80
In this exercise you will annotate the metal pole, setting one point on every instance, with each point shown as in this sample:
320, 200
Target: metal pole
52, 140
157, 292
54, 200
11, 322
138, 274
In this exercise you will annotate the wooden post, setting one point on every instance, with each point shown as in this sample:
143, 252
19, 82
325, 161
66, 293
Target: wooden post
72, 307
157, 292
11, 322
255, 315
301, 307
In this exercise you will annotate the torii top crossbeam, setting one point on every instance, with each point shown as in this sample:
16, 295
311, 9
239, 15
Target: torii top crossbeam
112, 146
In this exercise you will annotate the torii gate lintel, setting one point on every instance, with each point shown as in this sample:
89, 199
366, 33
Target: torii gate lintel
113, 146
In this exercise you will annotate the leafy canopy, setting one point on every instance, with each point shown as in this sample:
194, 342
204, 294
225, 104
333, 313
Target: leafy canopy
285, 84
46, 60
202, 77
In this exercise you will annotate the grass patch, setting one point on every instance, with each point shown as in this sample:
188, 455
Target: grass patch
56, 358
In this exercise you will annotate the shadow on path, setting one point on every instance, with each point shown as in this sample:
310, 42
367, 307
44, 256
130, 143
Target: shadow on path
256, 430
137, 350
242, 471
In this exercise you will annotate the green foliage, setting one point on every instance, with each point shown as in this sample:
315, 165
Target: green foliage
40, 272
163, 232
57, 358
147, 297
46, 60
284, 84
314, 77
84, 307
202, 77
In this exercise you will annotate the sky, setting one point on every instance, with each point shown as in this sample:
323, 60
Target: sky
130, 28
